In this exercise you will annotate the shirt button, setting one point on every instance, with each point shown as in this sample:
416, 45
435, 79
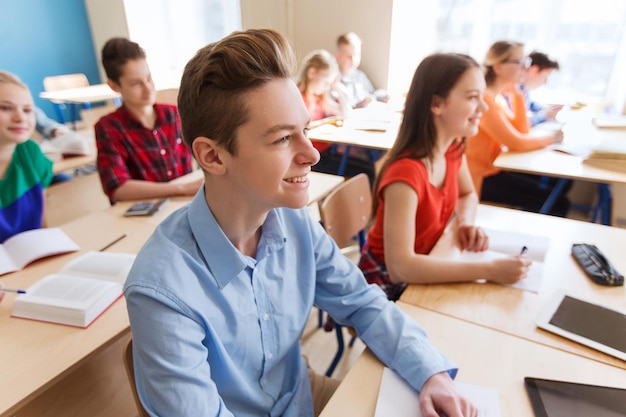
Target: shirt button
169, 173
179, 140
266, 317
162, 151
155, 133
270, 355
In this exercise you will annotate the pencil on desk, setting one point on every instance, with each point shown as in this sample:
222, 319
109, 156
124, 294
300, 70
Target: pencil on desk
113, 243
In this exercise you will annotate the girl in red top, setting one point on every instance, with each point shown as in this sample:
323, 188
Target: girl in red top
426, 179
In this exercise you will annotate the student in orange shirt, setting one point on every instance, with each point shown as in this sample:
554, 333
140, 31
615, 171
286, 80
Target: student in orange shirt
500, 128
426, 180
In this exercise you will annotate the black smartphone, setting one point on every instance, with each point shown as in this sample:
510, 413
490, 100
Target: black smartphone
145, 208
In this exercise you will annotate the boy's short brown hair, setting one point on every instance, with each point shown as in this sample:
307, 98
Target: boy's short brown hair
211, 99
116, 52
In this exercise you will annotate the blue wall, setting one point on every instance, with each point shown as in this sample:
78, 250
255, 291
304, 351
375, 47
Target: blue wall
39, 38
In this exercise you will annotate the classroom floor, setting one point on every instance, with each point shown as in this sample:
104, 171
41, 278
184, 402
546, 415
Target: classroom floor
320, 347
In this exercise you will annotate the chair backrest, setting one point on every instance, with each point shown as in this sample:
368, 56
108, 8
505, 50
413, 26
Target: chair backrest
65, 81
346, 211
167, 96
130, 372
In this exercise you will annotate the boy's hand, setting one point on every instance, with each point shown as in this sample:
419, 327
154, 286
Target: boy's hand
439, 396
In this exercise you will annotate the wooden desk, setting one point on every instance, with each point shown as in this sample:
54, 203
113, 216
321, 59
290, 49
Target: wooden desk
72, 163
580, 134
485, 357
515, 311
82, 95
362, 129
37, 359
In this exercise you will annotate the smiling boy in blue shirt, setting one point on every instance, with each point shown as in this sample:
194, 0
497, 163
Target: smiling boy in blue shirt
220, 294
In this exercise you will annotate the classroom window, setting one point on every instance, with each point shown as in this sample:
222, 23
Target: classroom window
587, 38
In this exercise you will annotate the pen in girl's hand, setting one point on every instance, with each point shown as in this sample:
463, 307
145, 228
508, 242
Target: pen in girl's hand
12, 290
523, 251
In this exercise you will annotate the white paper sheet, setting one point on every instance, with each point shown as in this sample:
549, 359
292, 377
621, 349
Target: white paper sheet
503, 244
396, 398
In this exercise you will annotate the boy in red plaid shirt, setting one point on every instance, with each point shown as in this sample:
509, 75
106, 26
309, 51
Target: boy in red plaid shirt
140, 146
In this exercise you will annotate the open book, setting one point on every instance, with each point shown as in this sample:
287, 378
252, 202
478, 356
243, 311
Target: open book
397, 398
79, 292
21, 249
503, 244
68, 144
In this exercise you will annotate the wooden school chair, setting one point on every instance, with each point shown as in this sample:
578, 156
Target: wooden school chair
130, 372
345, 214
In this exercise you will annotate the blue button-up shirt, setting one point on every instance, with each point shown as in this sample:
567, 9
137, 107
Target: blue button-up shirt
217, 333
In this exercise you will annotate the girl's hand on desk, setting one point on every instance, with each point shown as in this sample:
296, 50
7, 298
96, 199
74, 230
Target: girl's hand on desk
439, 396
558, 137
472, 238
508, 270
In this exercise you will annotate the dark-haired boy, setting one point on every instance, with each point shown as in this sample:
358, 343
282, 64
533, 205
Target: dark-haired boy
140, 146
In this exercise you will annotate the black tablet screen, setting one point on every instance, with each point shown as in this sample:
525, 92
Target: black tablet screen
594, 322
566, 399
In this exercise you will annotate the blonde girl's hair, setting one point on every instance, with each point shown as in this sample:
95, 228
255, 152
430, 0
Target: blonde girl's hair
8, 78
498, 52
320, 60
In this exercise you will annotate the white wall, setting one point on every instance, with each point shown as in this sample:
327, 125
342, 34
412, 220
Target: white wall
317, 24
170, 31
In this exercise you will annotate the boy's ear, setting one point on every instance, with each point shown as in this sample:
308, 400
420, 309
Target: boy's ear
114, 86
208, 155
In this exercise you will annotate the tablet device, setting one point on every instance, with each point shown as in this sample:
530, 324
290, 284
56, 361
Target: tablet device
145, 208
586, 322
559, 398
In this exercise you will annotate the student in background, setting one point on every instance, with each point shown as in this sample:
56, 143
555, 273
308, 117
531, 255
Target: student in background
24, 170
358, 86
317, 81
49, 129
541, 67
325, 97
501, 128
220, 294
140, 145
425, 180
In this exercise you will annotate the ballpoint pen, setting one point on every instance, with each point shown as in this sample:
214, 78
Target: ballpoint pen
523, 251
13, 290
